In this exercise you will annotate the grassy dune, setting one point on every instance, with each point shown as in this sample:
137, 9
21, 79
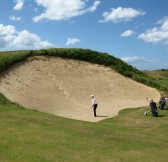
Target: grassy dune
30, 136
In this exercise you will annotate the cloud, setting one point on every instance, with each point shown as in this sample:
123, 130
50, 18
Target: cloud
134, 59
94, 7
144, 63
19, 5
10, 38
121, 14
63, 9
141, 63
14, 18
127, 33
72, 41
156, 34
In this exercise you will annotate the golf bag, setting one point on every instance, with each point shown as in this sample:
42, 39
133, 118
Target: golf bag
153, 108
162, 103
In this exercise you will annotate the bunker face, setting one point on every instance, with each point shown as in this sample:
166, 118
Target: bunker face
63, 87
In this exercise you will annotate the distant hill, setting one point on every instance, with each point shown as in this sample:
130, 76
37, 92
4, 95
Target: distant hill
161, 76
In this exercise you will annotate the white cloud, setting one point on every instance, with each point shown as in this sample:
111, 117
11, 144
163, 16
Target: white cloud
72, 41
164, 23
127, 33
14, 18
144, 63
10, 38
19, 5
94, 7
121, 14
63, 9
6, 30
156, 34
141, 63
134, 59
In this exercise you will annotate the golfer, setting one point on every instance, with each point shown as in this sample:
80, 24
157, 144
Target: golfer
94, 104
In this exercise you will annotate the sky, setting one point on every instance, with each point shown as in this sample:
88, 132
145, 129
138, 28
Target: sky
135, 31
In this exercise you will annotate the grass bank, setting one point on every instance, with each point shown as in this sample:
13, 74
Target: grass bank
161, 76
7, 59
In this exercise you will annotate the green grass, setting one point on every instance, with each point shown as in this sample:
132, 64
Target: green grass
7, 59
161, 76
32, 136
28, 135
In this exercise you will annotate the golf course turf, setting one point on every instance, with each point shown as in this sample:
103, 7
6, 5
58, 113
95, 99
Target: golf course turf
33, 136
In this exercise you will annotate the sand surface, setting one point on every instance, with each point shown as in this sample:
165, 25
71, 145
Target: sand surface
63, 87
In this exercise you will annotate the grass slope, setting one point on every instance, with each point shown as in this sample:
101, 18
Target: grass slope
7, 59
161, 76
28, 135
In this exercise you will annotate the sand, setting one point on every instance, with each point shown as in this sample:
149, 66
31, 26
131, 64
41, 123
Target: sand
63, 87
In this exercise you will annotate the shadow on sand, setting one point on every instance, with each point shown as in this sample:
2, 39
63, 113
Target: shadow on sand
102, 116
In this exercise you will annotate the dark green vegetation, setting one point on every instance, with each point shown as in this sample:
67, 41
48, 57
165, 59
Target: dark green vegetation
8, 59
32, 136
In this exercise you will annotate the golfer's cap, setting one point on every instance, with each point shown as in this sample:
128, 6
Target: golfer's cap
92, 95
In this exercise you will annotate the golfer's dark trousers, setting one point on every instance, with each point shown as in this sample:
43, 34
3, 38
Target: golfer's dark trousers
94, 109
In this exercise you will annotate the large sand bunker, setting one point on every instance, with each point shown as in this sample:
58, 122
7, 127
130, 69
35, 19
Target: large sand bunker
63, 87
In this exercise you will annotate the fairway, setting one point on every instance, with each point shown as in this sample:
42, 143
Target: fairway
64, 86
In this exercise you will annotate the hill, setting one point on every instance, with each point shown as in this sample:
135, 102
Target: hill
161, 76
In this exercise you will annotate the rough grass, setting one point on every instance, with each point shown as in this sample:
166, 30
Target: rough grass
7, 59
161, 76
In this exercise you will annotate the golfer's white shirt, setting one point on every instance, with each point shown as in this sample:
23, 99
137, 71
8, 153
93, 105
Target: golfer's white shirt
94, 101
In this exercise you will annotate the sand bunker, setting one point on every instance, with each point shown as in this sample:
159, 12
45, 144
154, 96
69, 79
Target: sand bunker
63, 87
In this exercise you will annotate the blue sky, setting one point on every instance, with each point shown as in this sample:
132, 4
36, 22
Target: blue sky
133, 30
